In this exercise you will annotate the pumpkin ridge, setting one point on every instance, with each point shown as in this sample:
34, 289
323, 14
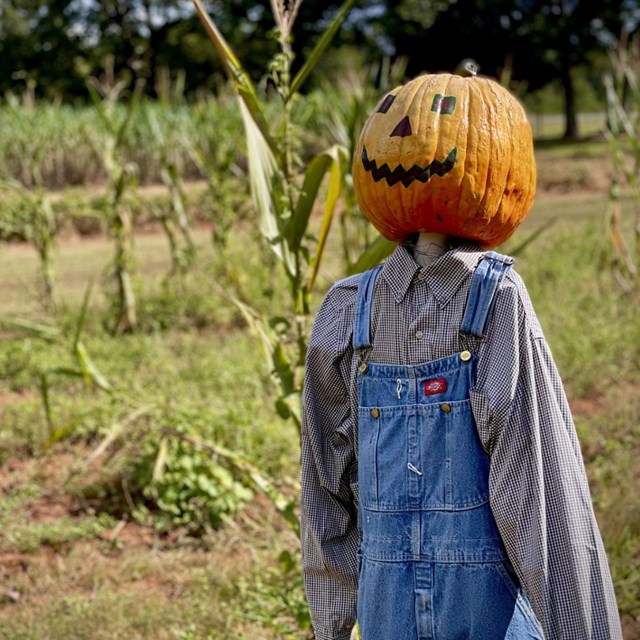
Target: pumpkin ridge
504, 207
491, 143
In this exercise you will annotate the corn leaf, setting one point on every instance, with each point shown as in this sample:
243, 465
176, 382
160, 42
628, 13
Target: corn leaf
294, 403
98, 102
320, 48
266, 188
117, 428
237, 75
132, 106
90, 372
313, 176
45, 331
277, 357
377, 251
161, 460
83, 314
532, 237
257, 325
282, 368
340, 159
46, 401
62, 432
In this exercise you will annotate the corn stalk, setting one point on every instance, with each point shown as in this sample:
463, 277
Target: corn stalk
33, 218
285, 192
173, 216
622, 86
121, 177
211, 144
29, 214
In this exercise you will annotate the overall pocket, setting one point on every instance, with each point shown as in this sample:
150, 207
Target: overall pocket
451, 452
382, 464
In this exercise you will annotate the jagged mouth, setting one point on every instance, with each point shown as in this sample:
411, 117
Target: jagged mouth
407, 176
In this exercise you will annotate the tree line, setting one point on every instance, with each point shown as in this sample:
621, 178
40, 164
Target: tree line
52, 48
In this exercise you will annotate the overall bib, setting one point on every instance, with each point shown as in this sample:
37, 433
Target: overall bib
432, 564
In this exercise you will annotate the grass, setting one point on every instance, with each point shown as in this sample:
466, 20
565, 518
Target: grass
70, 568
552, 126
78, 562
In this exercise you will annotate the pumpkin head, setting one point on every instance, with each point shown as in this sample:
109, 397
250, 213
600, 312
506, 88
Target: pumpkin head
446, 154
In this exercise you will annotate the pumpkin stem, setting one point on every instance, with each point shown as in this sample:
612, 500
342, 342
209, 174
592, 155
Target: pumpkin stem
467, 68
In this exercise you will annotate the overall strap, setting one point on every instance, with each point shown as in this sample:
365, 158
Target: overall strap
485, 282
364, 303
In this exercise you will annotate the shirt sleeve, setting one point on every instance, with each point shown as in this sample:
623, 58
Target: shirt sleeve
329, 472
539, 491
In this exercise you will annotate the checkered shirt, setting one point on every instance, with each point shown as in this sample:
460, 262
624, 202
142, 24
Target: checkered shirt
538, 487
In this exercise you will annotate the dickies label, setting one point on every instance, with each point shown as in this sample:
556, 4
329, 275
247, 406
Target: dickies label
437, 385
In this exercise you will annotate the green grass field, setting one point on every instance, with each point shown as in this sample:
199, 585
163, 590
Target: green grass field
84, 553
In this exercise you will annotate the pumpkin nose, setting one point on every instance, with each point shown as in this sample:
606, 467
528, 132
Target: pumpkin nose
403, 128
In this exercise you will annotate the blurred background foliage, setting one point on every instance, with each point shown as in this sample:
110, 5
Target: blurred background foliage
554, 46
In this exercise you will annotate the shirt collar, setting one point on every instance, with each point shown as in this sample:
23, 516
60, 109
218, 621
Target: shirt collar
443, 276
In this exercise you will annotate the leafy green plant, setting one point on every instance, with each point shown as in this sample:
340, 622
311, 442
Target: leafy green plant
189, 484
172, 477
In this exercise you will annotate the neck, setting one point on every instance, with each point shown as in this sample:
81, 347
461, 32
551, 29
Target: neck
428, 247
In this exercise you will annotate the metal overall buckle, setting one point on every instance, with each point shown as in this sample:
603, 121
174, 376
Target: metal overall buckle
364, 356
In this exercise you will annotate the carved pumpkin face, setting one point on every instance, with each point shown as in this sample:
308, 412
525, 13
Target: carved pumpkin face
446, 154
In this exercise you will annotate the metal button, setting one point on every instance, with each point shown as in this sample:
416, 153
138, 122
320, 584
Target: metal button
446, 407
363, 367
375, 413
465, 355
419, 334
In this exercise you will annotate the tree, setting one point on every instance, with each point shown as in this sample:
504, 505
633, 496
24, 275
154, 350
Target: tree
534, 41
37, 45
559, 36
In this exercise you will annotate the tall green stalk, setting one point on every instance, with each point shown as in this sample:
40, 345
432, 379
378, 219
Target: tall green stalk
28, 213
623, 132
283, 206
34, 219
173, 216
121, 176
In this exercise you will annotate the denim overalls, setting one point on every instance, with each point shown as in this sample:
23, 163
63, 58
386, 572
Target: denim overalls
432, 564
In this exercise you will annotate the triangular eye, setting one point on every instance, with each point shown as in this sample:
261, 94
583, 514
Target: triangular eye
403, 128
386, 103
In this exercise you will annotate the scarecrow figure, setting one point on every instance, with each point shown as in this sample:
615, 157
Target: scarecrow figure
444, 494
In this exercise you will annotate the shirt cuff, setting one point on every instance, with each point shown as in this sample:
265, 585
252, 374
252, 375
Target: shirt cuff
341, 635
329, 633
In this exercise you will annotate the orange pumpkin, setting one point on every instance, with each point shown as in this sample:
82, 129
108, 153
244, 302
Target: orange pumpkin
446, 154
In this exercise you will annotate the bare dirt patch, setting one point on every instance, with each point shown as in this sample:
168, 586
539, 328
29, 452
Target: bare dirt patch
599, 404
11, 397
